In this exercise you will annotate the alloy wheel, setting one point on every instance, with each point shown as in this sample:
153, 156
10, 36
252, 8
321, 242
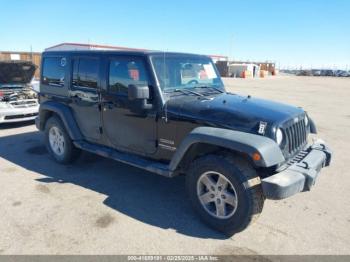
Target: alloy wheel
57, 141
217, 195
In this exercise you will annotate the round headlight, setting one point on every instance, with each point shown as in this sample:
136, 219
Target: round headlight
306, 120
279, 136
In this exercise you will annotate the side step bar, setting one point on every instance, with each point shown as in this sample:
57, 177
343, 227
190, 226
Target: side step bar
126, 158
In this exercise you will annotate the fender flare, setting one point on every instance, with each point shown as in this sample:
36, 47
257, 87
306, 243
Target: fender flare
237, 141
313, 129
65, 115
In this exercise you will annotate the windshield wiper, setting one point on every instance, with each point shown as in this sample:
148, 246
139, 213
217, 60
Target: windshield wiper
185, 91
211, 87
193, 92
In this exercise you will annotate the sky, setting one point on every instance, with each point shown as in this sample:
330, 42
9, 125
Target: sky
292, 33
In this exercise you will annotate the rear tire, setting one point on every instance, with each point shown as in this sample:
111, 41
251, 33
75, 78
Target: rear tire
218, 190
58, 142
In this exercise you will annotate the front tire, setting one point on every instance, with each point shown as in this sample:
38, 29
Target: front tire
58, 142
218, 189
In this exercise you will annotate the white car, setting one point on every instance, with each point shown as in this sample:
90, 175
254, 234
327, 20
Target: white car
18, 101
35, 85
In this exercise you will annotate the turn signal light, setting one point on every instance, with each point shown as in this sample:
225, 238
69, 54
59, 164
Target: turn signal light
256, 157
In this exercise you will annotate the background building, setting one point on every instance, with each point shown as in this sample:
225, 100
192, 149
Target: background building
265, 66
246, 68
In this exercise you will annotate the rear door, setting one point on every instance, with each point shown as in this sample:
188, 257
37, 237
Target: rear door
85, 95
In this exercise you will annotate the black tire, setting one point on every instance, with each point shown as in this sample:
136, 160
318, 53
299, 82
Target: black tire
237, 171
70, 152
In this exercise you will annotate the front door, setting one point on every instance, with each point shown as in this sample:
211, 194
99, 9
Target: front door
127, 129
84, 95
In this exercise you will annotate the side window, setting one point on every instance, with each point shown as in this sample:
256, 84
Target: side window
85, 73
54, 71
126, 71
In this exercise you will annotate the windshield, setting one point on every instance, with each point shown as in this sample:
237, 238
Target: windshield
176, 72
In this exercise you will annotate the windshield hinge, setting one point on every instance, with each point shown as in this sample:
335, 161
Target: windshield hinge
165, 116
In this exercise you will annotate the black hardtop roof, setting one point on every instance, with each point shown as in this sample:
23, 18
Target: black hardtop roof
117, 52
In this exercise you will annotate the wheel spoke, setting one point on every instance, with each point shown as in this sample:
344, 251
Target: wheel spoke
61, 145
206, 198
222, 182
220, 209
208, 182
230, 199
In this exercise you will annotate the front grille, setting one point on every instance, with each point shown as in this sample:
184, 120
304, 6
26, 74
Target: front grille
24, 103
296, 136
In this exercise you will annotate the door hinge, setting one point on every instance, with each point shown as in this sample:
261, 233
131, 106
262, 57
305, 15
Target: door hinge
100, 129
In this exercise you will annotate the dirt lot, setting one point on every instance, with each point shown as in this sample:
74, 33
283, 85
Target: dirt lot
99, 206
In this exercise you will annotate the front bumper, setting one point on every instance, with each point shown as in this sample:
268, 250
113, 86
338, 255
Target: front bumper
11, 115
299, 176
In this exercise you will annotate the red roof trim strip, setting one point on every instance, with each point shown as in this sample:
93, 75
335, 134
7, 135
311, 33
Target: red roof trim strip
99, 46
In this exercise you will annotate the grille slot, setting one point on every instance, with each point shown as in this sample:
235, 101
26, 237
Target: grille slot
20, 116
24, 103
296, 136
298, 158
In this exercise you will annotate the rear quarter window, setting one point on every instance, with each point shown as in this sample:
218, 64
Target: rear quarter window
54, 71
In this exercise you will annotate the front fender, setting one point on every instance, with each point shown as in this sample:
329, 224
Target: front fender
241, 142
65, 115
313, 129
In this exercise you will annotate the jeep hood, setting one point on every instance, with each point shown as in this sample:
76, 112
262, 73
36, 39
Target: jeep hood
16, 72
232, 111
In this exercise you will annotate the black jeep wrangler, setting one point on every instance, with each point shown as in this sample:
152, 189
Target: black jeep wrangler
169, 113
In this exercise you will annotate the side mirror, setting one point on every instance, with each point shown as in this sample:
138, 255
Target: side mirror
139, 96
138, 92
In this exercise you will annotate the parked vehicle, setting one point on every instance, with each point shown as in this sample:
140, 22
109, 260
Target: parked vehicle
341, 73
35, 85
327, 73
316, 72
18, 102
304, 73
143, 109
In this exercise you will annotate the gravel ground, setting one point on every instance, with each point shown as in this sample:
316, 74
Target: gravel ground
99, 206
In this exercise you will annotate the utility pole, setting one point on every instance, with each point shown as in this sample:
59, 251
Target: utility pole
31, 53
231, 48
